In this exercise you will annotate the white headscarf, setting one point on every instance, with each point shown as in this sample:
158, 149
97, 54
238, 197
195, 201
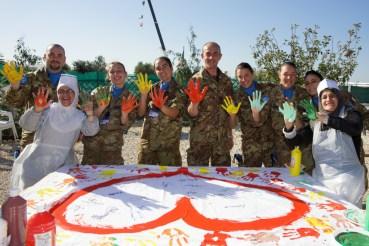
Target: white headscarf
66, 119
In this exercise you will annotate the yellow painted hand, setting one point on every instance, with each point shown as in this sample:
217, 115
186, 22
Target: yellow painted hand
229, 106
12, 73
143, 83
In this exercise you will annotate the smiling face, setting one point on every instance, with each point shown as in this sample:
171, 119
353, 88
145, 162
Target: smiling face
117, 74
54, 58
244, 77
65, 95
163, 70
211, 56
311, 84
329, 100
287, 76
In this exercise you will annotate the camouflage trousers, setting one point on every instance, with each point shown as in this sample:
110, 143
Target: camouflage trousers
105, 148
255, 153
166, 156
199, 154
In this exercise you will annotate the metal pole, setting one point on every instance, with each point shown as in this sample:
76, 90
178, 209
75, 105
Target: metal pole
156, 26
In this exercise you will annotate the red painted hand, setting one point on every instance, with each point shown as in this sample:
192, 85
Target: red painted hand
129, 103
40, 100
158, 98
193, 91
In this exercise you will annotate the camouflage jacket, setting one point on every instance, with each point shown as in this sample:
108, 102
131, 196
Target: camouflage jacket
212, 122
109, 119
277, 99
160, 130
249, 128
23, 97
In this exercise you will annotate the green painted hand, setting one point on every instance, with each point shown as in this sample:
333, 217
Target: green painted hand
309, 109
256, 102
288, 111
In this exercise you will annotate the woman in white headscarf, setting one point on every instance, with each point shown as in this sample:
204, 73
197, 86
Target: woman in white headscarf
57, 126
335, 137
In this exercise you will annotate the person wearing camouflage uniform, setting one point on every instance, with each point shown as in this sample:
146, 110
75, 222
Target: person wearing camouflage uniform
257, 132
20, 94
210, 131
161, 132
286, 91
106, 146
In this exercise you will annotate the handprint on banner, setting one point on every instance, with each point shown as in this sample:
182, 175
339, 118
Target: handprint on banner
215, 239
187, 204
342, 221
47, 192
320, 224
176, 237
250, 176
262, 237
331, 206
294, 234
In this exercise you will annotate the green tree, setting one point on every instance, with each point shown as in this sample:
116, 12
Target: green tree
185, 67
25, 56
144, 68
334, 60
82, 66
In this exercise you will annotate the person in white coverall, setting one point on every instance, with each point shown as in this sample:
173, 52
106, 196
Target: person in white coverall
335, 137
57, 126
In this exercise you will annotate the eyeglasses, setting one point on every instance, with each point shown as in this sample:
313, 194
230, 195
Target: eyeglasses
65, 92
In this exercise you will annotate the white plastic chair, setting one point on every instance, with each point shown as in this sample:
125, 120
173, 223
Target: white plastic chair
6, 124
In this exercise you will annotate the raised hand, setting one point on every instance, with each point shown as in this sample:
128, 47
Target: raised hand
102, 96
256, 102
229, 106
86, 103
13, 74
128, 104
143, 83
309, 109
40, 99
288, 111
158, 98
193, 91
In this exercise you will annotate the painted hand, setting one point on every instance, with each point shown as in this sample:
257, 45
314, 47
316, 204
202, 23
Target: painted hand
229, 106
13, 74
309, 109
256, 102
143, 83
323, 117
288, 111
193, 91
129, 103
102, 96
158, 98
40, 99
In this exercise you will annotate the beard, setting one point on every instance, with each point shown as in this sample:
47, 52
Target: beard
54, 66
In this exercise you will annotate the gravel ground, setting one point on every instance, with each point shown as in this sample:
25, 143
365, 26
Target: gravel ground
129, 152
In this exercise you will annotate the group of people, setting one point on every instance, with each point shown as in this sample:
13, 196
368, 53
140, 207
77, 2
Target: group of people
273, 118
